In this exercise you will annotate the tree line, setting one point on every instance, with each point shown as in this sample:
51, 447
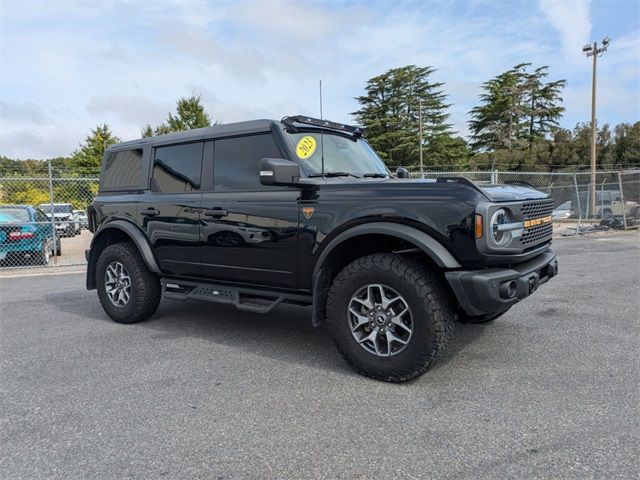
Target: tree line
514, 126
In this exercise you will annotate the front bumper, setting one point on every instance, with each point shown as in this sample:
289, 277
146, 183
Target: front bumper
494, 290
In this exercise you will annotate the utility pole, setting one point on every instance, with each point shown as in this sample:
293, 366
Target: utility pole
592, 50
420, 136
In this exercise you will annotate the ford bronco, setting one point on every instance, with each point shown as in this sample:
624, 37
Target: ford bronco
304, 211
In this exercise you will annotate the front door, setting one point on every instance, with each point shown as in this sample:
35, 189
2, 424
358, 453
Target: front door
170, 211
249, 231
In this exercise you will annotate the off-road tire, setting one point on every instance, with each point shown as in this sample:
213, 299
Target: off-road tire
490, 317
145, 286
430, 304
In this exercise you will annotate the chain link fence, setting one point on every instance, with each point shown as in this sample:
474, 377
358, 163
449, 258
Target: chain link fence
610, 201
43, 220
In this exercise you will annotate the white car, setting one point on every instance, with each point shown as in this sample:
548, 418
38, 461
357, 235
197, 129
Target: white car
66, 221
562, 212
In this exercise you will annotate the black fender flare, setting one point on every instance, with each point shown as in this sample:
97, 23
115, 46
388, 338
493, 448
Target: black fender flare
137, 237
423, 241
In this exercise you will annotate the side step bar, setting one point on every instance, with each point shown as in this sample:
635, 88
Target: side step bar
247, 299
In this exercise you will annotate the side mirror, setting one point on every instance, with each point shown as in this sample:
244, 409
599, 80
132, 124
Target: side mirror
402, 172
278, 171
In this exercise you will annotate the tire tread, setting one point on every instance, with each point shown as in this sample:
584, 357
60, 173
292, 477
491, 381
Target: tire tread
436, 302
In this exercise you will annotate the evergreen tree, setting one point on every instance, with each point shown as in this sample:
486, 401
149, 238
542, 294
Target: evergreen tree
88, 158
190, 113
517, 111
542, 101
389, 112
627, 144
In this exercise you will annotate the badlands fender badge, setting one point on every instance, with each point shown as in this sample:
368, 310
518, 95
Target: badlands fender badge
308, 211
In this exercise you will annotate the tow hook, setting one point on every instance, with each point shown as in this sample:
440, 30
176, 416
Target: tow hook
533, 284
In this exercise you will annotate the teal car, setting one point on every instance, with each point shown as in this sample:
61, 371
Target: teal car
26, 235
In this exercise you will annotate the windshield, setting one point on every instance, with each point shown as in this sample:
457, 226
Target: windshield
341, 154
56, 208
12, 215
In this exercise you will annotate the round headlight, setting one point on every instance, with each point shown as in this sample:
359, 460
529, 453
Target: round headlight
500, 237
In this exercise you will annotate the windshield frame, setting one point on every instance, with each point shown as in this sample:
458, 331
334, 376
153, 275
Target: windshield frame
289, 133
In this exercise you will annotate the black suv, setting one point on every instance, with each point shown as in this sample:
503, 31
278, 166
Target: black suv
303, 211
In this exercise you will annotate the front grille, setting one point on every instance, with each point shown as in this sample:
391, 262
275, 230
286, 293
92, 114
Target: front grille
538, 233
537, 209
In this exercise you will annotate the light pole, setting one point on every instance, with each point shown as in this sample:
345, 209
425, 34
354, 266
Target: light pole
592, 50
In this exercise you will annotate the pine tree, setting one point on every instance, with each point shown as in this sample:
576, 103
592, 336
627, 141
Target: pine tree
517, 112
389, 112
190, 113
88, 158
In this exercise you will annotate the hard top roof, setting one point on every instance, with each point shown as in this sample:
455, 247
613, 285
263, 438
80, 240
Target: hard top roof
226, 129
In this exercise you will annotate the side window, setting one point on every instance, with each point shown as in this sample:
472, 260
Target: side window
177, 168
123, 169
236, 162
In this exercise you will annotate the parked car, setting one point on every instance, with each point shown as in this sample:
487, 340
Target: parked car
562, 211
304, 211
82, 218
26, 234
66, 221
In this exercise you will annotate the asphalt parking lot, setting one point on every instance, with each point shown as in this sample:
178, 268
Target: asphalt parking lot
204, 391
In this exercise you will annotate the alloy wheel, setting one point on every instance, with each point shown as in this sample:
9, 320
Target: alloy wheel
117, 283
380, 320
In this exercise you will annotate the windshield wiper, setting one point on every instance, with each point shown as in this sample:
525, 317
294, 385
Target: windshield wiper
333, 174
376, 175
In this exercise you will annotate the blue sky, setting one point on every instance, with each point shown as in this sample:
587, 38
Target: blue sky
67, 66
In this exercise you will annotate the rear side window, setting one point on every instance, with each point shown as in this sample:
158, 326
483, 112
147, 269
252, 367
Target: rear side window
236, 162
177, 168
122, 169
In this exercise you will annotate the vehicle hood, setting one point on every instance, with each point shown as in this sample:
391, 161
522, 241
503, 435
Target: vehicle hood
495, 193
508, 193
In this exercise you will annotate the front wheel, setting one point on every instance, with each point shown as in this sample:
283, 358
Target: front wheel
389, 316
128, 291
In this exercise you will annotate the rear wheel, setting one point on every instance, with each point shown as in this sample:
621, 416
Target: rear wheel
128, 291
41, 257
390, 317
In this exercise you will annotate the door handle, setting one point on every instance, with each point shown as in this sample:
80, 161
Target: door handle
150, 212
216, 213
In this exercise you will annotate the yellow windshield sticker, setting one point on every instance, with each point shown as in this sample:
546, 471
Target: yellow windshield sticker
306, 147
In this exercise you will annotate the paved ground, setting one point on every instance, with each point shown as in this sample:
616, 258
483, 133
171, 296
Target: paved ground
204, 391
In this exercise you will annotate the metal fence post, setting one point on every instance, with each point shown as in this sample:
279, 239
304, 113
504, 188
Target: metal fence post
575, 183
624, 213
53, 215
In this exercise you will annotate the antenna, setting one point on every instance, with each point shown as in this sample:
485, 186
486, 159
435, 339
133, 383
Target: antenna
321, 133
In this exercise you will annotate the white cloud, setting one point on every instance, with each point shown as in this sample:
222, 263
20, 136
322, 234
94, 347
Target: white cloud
572, 20
126, 63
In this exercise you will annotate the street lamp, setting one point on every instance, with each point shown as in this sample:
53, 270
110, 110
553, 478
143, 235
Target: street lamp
592, 50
